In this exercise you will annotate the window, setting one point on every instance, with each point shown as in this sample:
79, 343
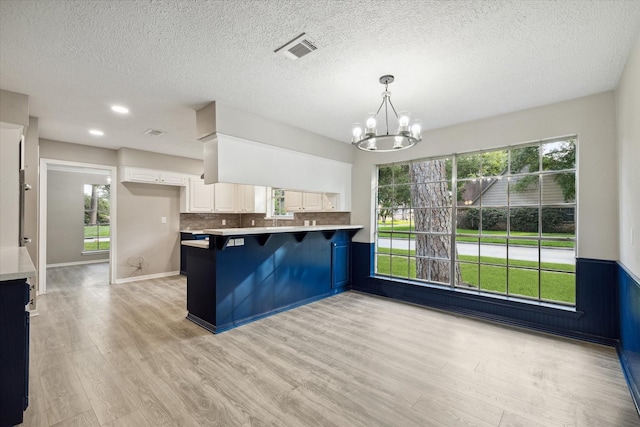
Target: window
96, 218
494, 222
277, 204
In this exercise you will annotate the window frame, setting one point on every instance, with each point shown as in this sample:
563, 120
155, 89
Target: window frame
541, 269
86, 251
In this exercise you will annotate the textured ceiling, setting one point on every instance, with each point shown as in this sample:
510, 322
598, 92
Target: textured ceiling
454, 61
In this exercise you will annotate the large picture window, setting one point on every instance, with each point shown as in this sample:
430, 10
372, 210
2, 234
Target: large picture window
499, 221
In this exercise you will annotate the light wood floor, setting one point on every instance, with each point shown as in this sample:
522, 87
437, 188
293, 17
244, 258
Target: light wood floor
124, 355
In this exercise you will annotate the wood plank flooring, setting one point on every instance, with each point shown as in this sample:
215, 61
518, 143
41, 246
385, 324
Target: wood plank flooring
124, 355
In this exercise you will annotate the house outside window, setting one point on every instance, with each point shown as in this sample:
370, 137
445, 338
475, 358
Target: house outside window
498, 222
96, 218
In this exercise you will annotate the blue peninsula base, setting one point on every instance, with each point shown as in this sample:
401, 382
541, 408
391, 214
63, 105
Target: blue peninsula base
239, 279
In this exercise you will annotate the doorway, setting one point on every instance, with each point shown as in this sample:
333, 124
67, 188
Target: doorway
77, 216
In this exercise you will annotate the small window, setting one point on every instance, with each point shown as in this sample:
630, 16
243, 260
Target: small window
277, 204
97, 227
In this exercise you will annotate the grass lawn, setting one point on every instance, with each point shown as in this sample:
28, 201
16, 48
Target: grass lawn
97, 231
402, 228
93, 230
97, 246
554, 286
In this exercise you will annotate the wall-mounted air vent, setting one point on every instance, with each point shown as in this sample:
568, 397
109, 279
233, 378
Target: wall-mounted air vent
298, 47
154, 132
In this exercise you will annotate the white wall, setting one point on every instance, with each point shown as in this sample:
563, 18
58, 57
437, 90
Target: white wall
65, 216
9, 186
14, 108
146, 159
591, 117
141, 232
628, 141
140, 207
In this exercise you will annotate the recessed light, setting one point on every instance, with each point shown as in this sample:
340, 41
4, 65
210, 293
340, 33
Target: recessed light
120, 109
96, 132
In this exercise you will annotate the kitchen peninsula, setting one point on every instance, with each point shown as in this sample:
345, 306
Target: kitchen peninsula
243, 274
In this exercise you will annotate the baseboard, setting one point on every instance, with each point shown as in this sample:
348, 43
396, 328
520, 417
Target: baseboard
67, 264
147, 277
628, 376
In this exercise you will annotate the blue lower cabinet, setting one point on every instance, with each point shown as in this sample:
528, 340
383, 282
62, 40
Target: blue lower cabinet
14, 351
340, 264
238, 284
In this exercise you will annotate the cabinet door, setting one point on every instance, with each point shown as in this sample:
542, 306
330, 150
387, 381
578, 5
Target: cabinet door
200, 196
224, 197
141, 175
340, 264
312, 201
329, 201
172, 179
260, 198
245, 198
293, 201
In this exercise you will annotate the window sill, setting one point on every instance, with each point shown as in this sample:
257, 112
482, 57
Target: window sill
102, 251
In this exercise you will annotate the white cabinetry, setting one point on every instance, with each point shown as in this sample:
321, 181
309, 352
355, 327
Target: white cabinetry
302, 201
168, 178
151, 176
224, 198
251, 199
196, 197
293, 201
312, 201
329, 201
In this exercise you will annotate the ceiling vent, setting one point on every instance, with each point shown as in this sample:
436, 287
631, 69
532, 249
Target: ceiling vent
154, 132
298, 47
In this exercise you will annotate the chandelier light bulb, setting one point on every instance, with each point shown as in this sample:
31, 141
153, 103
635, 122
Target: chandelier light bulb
357, 132
416, 130
403, 119
371, 124
398, 143
371, 144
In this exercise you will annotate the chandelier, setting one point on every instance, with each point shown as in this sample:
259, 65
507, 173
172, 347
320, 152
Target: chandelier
367, 137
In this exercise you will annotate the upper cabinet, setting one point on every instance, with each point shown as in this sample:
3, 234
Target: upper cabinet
329, 201
151, 176
312, 201
197, 196
222, 198
251, 199
295, 201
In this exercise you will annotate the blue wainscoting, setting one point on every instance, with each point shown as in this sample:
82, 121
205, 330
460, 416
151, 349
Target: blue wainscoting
596, 317
629, 347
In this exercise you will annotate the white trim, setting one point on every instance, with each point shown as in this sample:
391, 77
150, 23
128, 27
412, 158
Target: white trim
42, 216
66, 264
99, 252
147, 277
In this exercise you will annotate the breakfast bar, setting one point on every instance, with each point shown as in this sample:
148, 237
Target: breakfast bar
240, 275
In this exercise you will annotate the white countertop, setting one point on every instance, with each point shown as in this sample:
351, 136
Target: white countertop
271, 230
15, 263
196, 243
191, 231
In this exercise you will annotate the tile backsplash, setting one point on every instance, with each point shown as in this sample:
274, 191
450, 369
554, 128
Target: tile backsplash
198, 221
